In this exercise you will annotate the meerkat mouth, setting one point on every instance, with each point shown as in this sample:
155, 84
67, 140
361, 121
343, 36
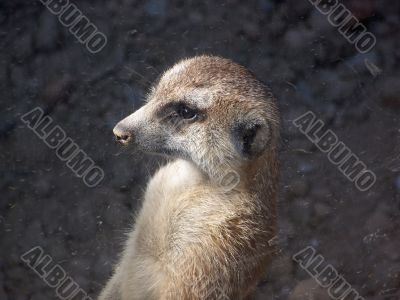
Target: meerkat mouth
168, 153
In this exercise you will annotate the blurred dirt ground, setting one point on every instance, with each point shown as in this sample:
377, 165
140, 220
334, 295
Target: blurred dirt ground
287, 44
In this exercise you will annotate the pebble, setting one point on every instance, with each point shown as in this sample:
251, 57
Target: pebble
299, 188
300, 211
309, 290
156, 7
47, 31
397, 183
322, 210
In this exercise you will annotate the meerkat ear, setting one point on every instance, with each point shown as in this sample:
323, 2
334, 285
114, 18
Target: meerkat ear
251, 138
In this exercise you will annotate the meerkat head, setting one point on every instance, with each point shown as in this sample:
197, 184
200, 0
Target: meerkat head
208, 110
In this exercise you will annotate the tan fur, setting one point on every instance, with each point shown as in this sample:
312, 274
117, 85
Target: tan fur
193, 238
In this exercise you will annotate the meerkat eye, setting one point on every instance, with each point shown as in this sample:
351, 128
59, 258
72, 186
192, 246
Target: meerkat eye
186, 112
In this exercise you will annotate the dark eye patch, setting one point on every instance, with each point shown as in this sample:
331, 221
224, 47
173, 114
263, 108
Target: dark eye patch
186, 112
179, 113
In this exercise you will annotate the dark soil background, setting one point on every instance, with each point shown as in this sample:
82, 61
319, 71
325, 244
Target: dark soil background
287, 44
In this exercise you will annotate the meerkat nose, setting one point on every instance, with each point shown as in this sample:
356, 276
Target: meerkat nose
121, 134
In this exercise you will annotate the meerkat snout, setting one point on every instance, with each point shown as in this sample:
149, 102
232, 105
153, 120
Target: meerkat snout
122, 135
126, 130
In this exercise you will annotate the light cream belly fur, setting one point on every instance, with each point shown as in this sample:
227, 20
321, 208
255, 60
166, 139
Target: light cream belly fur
189, 240
142, 266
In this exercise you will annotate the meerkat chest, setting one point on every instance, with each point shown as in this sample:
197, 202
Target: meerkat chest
172, 180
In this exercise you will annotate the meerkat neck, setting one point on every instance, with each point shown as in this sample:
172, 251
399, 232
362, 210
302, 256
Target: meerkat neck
258, 177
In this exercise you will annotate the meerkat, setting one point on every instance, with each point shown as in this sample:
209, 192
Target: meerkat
194, 238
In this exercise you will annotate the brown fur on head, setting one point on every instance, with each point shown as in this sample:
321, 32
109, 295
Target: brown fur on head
208, 110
